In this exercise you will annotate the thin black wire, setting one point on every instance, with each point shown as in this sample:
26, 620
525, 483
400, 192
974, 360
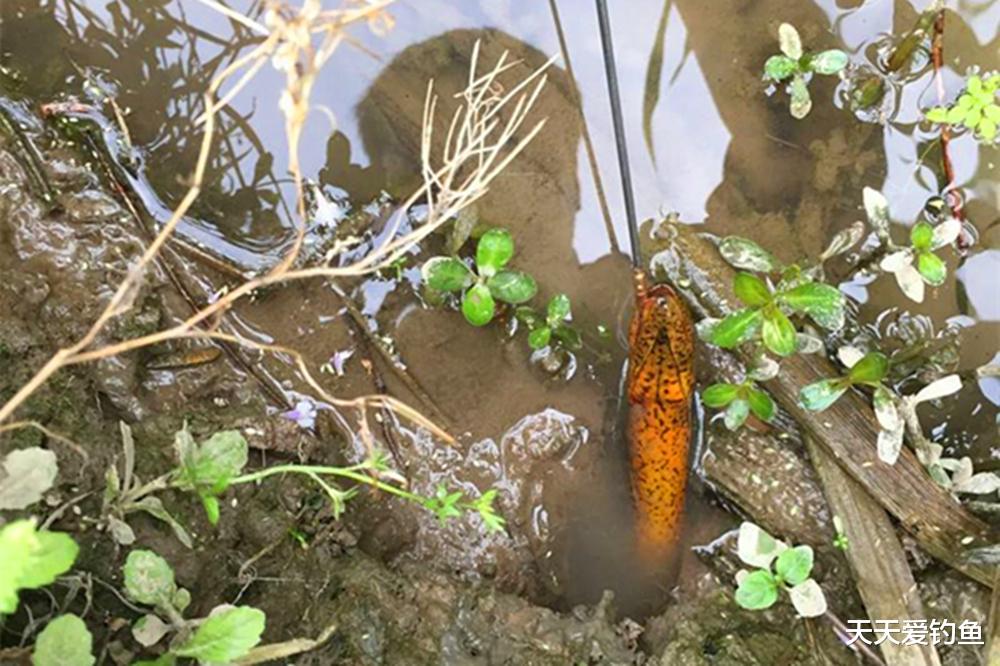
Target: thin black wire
611, 74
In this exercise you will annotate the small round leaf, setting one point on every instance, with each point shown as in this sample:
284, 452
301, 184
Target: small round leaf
478, 306
736, 413
149, 578
780, 67
446, 274
512, 287
760, 404
932, 268
795, 564
558, 309
494, 250
828, 62
539, 337
757, 591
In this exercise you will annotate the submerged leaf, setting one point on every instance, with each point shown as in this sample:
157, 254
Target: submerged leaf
932, 268
760, 404
795, 564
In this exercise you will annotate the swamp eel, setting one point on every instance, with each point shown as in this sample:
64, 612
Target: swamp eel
660, 388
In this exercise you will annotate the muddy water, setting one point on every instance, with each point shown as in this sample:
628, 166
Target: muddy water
718, 152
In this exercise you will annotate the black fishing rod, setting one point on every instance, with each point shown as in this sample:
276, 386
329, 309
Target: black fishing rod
611, 73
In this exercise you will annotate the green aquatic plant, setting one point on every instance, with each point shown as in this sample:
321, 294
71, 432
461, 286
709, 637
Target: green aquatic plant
552, 328
226, 634
768, 307
917, 264
778, 568
976, 108
739, 401
797, 66
208, 469
868, 370
487, 283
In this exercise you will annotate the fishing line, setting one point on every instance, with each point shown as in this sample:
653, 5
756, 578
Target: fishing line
618, 123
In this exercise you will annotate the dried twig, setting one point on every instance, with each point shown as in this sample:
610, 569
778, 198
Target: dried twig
478, 146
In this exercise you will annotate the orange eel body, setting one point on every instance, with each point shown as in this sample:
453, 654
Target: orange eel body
660, 386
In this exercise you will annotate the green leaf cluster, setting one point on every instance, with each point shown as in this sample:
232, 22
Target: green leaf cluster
739, 401
553, 328
446, 505
209, 467
779, 567
488, 283
31, 558
870, 371
767, 312
976, 109
793, 64
228, 633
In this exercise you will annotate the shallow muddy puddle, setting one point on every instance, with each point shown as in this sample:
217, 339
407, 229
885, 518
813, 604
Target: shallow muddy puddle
706, 144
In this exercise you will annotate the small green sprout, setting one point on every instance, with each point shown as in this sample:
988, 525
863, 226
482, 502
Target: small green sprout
976, 109
488, 284
840, 540
797, 67
918, 264
739, 400
778, 567
553, 328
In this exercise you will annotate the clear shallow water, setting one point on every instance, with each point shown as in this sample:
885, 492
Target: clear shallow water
726, 156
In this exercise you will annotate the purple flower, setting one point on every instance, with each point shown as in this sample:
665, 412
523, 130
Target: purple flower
304, 414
